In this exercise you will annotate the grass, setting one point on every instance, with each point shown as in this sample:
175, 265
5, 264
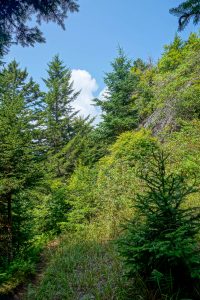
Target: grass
83, 268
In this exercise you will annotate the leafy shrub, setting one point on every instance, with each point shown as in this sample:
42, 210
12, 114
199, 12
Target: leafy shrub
52, 209
80, 198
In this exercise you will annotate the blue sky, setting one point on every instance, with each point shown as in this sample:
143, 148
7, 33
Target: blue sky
92, 36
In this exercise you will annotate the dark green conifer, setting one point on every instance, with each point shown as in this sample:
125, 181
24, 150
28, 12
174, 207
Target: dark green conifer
59, 113
20, 103
118, 110
160, 242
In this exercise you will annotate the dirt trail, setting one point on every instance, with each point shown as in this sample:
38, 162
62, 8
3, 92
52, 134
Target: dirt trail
19, 292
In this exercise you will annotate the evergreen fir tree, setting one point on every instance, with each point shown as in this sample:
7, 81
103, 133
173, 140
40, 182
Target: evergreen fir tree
20, 102
118, 111
160, 242
59, 113
76, 149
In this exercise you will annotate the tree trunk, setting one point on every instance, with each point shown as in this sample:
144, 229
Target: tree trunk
9, 227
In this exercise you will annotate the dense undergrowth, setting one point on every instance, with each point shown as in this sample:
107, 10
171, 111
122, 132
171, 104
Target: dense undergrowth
60, 176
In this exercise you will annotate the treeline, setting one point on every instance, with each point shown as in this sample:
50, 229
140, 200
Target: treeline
37, 130
59, 172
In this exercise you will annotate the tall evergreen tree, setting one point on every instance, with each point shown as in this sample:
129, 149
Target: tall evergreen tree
59, 113
118, 111
186, 11
20, 102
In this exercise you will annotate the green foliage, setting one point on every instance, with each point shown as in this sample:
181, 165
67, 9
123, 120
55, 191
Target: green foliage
190, 9
81, 197
118, 111
143, 95
19, 166
78, 149
173, 55
95, 147
117, 182
170, 91
133, 146
181, 87
160, 241
59, 112
185, 143
105, 190
59, 174
18, 270
51, 211
14, 16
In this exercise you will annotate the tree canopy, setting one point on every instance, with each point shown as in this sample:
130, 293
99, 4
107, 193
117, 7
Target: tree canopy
187, 11
15, 14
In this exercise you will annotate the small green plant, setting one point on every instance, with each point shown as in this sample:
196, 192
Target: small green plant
159, 243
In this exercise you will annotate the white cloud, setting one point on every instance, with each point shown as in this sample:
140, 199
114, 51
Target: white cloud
83, 81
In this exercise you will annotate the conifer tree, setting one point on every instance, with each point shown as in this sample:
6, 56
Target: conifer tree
173, 55
59, 113
64, 137
118, 111
20, 102
160, 242
78, 148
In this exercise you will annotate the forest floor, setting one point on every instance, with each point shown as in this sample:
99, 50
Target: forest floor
79, 268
